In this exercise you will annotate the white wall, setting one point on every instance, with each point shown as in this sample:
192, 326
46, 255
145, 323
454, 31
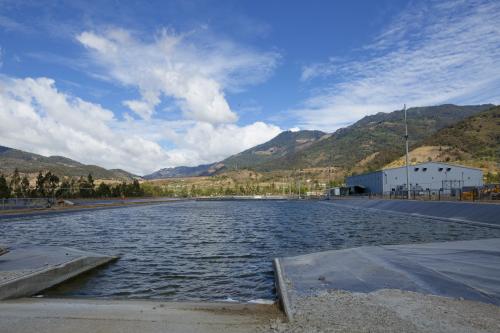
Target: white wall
431, 175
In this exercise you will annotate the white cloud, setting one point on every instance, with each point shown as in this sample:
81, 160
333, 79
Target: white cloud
225, 139
36, 117
193, 72
436, 52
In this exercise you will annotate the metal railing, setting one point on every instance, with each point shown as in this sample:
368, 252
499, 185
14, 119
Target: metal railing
432, 195
25, 203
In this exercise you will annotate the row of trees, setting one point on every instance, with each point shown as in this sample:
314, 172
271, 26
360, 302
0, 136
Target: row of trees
50, 185
230, 189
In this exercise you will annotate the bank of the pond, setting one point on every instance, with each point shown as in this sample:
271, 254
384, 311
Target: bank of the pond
462, 269
469, 212
388, 311
84, 205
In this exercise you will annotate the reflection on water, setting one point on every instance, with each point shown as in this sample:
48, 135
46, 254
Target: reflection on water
215, 250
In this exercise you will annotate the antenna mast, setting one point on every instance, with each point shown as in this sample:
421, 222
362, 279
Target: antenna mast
406, 142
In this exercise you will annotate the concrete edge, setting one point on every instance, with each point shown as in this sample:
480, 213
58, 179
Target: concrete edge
40, 280
179, 305
444, 219
281, 289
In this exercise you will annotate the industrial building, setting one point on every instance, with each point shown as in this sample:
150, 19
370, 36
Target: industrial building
433, 176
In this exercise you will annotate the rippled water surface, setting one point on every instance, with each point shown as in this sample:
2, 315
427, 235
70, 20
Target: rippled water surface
215, 250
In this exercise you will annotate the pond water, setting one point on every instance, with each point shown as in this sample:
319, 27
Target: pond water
214, 250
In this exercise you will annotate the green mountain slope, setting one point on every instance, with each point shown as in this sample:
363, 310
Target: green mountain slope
374, 140
284, 144
368, 144
25, 162
477, 136
474, 141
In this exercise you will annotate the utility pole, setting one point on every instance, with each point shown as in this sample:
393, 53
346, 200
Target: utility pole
406, 142
289, 183
329, 175
299, 184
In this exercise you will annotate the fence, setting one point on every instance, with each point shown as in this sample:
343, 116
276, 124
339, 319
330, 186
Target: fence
434, 195
25, 203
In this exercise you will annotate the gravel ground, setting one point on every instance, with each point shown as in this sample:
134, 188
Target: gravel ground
388, 311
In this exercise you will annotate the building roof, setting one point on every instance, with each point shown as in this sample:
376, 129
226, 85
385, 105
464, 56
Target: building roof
427, 163
419, 164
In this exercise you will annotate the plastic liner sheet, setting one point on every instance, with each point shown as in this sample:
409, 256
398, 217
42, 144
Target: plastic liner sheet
462, 269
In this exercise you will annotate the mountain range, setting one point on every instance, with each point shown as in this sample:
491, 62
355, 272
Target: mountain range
445, 132
29, 163
368, 144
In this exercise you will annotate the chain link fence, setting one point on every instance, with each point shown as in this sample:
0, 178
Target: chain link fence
25, 203
470, 195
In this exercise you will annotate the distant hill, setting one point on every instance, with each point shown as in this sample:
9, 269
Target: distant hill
368, 144
283, 144
374, 140
29, 163
477, 136
185, 171
474, 140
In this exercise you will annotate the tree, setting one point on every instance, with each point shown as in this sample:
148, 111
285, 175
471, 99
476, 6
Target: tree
74, 187
119, 190
39, 187
103, 190
15, 184
4, 187
25, 187
51, 183
90, 181
135, 189
90, 185
64, 190
83, 188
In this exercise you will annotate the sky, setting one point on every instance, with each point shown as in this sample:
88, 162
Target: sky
144, 85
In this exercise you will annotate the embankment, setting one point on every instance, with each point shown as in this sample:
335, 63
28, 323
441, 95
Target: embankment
487, 214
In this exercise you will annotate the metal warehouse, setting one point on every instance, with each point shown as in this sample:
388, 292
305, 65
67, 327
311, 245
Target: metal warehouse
423, 176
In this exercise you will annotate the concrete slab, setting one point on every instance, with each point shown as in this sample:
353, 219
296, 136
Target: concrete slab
27, 270
462, 269
83, 315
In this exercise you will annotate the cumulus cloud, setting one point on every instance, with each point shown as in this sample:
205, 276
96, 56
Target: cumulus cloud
434, 52
194, 73
36, 116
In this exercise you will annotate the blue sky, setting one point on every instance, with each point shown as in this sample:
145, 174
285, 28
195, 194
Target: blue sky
146, 85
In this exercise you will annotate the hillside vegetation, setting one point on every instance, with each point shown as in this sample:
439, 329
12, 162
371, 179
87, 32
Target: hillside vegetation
473, 141
375, 140
477, 137
285, 144
368, 144
29, 163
